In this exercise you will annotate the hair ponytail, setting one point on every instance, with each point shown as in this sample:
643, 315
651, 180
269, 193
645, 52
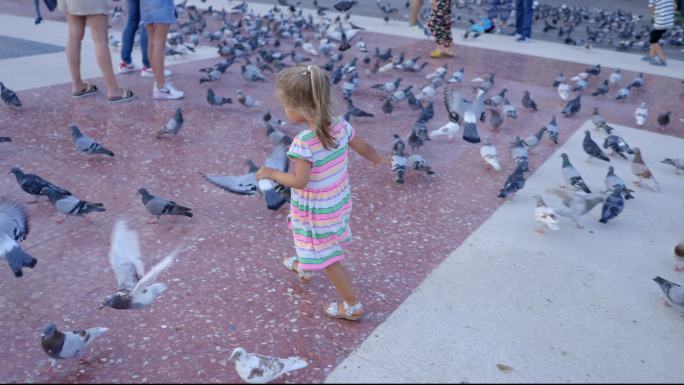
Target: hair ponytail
320, 93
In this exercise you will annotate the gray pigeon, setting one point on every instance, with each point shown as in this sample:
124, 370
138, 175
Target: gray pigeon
520, 154
215, 100
614, 182
388, 87
35, 185
514, 183
237, 184
617, 145
575, 203
678, 164
571, 176
418, 162
602, 89
528, 102
624, 92
173, 125
9, 97
274, 193
258, 369
495, 119
600, 122
159, 206
533, 140
419, 135
252, 73
497, 99
86, 144
70, 205
592, 149
4, 139
470, 113
509, 109
457, 76
613, 206
572, 107
14, 227
672, 291
399, 161
71, 344
552, 130
134, 288
246, 100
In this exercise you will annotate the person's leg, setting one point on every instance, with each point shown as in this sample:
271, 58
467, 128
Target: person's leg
143, 48
73, 49
128, 35
157, 42
340, 279
415, 9
519, 14
150, 29
527, 19
658, 51
98, 28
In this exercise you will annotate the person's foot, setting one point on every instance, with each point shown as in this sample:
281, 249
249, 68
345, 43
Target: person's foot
515, 34
658, 62
647, 58
523, 39
125, 68
148, 73
168, 91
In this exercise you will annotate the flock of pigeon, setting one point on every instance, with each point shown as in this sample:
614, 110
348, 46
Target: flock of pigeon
254, 41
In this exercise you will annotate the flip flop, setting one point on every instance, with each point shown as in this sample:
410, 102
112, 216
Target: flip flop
126, 95
89, 89
436, 54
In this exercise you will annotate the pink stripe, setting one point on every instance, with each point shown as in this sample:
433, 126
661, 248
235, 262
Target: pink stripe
321, 169
305, 266
320, 241
330, 187
305, 214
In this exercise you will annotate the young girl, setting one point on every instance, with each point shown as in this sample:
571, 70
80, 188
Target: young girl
320, 203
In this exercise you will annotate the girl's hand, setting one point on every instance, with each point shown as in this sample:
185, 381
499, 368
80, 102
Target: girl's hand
265, 173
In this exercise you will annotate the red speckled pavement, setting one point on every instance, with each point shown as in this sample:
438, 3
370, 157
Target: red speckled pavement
228, 287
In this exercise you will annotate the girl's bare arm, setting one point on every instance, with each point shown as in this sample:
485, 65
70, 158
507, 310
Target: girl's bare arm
365, 150
297, 178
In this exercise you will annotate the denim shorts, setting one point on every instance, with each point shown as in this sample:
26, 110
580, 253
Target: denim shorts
157, 12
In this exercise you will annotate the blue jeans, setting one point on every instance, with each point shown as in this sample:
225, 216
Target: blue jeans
128, 36
523, 18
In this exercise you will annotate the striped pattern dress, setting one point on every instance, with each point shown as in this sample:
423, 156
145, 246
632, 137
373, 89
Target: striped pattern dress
319, 213
664, 13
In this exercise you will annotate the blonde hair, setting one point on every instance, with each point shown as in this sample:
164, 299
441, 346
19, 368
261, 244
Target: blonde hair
307, 89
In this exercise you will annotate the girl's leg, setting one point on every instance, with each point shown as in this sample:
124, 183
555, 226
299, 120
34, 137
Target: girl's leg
158, 46
658, 51
340, 279
98, 28
415, 9
150, 28
73, 49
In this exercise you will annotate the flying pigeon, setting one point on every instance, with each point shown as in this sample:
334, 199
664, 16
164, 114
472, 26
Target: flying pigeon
258, 369
640, 169
9, 97
489, 154
86, 144
134, 288
70, 205
159, 206
14, 227
35, 185
592, 149
237, 184
173, 125
59, 345
545, 215
469, 112
571, 176
575, 204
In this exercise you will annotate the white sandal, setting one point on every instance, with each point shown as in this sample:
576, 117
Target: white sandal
349, 311
304, 276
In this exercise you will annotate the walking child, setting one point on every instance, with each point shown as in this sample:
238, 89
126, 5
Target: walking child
663, 18
321, 202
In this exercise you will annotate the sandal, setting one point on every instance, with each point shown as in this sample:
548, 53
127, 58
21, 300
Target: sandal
437, 53
304, 276
349, 311
126, 95
89, 89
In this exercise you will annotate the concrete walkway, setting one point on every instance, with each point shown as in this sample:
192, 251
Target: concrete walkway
568, 306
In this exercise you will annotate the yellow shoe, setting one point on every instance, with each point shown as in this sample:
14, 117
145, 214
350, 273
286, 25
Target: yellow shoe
437, 53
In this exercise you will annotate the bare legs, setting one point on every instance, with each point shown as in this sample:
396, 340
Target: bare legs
340, 279
156, 46
98, 28
657, 50
415, 9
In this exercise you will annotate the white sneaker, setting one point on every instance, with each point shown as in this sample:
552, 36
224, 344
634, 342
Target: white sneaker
166, 92
126, 68
148, 73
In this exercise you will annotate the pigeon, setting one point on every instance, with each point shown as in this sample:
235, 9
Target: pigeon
580, 85
514, 183
533, 140
35, 185
70, 205
552, 130
251, 73
564, 90
545, 215
213, 100
352, 110
258, 369
592, 149
388, 87
600, 122
246, 100
572, 107
679, 257
270, 120
418, 162
159, 206
614, 182
615, 77
672, 291
4, 139
427, 92
449, 129
173, 125
273, 193
469, 112
9, 97
426, 113
134, 288
399, 161
638, 81
678, 164
612, 206
495, 119
419, 135
489, 154
528, 103
595, 70
575, 204
641, 114
485, 84
571, 176
14, 227
387, 106
86, 144
559, 79
237, 184
309, 48
640, 169
664, 120
71, 344
457, 76
509, 109
440, 72
519, 153
623, 93
361, 45
497, 99
602, 89
344, 5
617, 145
400, 95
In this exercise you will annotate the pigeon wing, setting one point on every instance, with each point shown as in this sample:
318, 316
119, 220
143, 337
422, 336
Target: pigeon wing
454, 104
152, 275
125, 257
237, 184
13, 220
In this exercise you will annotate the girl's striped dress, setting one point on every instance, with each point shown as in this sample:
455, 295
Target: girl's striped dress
319, 213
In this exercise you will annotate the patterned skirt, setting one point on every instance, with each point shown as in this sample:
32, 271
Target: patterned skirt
440, 22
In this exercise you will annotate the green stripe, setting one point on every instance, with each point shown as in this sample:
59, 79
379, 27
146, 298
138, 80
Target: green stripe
307, 135
318, 261
310, 234
295, 155
330, 157
322, 211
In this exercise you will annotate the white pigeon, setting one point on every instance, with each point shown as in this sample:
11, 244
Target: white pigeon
615, 77
258, 369
450, 129
564, 91
439, 72
309, 48
641, 114
489, 154
387, 67
545, 215
134, 288
361, 46
580, 76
